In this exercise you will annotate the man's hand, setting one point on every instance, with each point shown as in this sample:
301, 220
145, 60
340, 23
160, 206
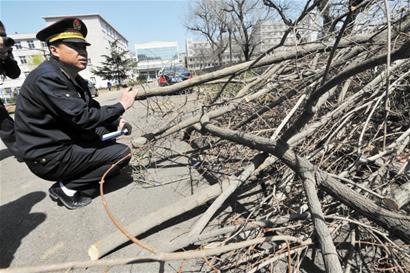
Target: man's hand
128, 97
124, 125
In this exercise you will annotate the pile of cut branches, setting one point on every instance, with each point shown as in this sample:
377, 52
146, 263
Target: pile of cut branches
305, 150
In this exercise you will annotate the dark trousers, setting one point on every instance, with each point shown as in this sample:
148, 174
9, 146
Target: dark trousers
81, 166
7, 130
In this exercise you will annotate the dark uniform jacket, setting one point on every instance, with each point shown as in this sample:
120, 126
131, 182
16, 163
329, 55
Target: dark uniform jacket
54, 112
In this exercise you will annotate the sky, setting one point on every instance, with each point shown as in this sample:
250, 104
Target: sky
138, 21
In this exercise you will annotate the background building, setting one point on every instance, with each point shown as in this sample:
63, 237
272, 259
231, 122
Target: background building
269, 33
152, 56
200, 55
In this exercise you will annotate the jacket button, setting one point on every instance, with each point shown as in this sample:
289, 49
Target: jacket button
43, 160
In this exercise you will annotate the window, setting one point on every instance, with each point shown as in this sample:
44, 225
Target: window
89, 61
23, 59
18, 45
30, 44
43, 44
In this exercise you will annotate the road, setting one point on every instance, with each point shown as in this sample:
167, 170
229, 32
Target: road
35, 231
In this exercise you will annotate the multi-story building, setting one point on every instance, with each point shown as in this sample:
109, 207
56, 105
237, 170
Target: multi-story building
268, 34
200, 55
153, 56
30, 52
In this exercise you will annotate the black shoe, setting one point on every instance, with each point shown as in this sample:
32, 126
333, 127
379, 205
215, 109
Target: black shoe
76, 201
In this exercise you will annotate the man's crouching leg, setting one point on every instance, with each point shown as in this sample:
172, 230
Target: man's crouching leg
78, 169
86, 170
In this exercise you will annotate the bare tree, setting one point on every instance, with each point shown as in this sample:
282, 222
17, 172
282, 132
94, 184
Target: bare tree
227, 21
210, 20
245, 16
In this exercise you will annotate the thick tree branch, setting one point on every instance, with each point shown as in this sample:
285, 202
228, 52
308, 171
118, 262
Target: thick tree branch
396, 223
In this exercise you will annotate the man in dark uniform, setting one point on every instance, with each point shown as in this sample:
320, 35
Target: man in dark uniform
58, 124
9, 68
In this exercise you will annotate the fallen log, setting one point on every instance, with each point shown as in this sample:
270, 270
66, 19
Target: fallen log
193, 254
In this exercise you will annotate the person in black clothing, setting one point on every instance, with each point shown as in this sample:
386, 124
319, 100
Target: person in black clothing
9, 68
59, 125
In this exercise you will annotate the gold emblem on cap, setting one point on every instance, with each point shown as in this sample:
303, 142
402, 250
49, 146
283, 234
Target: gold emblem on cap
77, 24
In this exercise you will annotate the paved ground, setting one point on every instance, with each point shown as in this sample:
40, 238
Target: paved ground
35, 231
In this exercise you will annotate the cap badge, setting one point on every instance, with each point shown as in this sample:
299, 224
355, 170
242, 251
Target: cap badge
77, 24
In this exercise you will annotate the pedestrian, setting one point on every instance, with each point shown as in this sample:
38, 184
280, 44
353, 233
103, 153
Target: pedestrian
9, 68
59, 125
109, 86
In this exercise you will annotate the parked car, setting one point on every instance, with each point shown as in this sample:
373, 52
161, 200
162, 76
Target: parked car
173, 74
93, 90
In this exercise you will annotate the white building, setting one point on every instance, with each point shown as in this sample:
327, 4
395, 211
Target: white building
152, 56
269, 33
100, 34
200, 55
